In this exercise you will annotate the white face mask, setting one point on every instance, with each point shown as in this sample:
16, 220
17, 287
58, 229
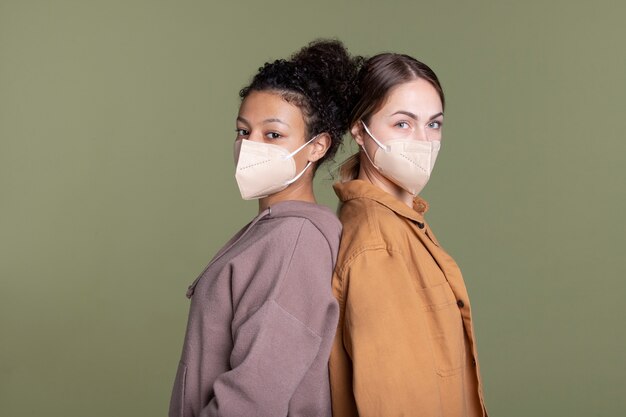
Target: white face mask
264, 168
408, 163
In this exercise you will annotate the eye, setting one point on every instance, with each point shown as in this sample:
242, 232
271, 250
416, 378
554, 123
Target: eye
242, 132
435, 124
273, 135
403, 125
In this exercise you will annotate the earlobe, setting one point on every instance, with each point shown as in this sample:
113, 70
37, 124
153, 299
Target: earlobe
319, 147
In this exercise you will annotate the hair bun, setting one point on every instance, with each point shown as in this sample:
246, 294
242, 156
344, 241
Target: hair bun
330, 74
324, 75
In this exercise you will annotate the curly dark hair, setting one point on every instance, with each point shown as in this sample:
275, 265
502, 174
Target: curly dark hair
321, 79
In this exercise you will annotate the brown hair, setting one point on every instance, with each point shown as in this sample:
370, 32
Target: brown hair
377, 77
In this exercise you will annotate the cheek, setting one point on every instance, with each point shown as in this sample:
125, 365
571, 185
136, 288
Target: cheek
370, 147
301, 159
391, 132
434, 135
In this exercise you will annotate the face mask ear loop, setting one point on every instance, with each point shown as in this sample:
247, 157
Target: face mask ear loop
377, 143
300, 148
370, 159
385, 148
294, 179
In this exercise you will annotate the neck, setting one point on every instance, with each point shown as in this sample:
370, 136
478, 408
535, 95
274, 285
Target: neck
369, 173
301, 190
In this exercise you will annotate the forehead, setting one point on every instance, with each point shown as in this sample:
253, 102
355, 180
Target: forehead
416, 96
259, 106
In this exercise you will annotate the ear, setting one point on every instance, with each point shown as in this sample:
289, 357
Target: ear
357, 132
319, 147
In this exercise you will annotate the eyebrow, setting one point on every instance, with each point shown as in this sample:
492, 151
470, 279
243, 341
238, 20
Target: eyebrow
414, 116
272, 120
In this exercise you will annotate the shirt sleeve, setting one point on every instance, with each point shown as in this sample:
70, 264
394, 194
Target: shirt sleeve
380, 322
275, 347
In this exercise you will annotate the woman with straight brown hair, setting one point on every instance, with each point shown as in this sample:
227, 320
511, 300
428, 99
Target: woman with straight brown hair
405, 344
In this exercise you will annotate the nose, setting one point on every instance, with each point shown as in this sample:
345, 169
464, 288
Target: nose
421, 133
256, 135
429, 134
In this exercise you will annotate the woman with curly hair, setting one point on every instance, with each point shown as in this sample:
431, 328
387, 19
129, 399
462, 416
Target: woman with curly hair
405, 344
262, 315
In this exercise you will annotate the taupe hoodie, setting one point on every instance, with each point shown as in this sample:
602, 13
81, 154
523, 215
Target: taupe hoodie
262, 320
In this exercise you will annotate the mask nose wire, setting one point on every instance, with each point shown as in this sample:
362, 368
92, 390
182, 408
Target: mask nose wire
294, 179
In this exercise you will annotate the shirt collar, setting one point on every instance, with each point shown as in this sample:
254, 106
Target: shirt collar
362, 189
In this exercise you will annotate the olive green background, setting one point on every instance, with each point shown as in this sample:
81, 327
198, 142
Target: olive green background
116, 185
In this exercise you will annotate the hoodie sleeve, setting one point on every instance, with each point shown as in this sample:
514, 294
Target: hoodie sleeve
275, 347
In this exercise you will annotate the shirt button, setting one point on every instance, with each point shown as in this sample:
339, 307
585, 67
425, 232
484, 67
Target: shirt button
460, 303
420, 225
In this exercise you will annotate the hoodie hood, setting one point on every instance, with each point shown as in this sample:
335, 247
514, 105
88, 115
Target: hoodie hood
323, 218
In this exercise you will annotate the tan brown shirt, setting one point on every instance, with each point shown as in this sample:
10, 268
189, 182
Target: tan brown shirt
405, 343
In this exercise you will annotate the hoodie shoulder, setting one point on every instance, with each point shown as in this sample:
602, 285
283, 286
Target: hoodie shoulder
321, 217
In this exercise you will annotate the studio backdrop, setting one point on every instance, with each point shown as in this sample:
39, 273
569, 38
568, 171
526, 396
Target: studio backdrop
117, 185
